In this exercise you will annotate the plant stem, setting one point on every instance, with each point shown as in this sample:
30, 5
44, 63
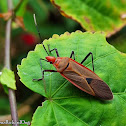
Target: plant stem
18, 5
13, 106
7, 44
12, 98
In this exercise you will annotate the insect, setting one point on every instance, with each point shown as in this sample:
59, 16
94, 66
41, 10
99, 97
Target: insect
76, 73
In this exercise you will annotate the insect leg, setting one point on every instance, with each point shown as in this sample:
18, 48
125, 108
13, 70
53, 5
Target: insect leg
43, 71
43, 77
43, 74
72, 54
90, 53
53, 50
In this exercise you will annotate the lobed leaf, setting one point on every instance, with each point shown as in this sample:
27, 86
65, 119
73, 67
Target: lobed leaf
108, 15
66, 104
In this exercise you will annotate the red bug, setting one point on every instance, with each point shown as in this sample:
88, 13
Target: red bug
78, 74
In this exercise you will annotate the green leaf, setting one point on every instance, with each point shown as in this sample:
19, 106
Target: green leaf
7, 78
66, 104
22, 9
81, 112
108, 16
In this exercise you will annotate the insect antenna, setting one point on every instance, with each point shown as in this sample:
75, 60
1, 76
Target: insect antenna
39, 33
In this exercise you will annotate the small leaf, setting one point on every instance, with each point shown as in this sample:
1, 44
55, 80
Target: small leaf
66, 104
7, 78
108, 16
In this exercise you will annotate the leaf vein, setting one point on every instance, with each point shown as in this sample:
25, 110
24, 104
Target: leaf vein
71, 113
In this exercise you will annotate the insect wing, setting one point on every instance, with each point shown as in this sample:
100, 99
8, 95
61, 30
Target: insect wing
87, 80
78, 81
101, 89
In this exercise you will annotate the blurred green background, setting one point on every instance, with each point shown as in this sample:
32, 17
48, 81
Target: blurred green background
50, 22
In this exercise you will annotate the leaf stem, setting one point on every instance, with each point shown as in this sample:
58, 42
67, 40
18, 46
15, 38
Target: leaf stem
12, 98
18, 6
